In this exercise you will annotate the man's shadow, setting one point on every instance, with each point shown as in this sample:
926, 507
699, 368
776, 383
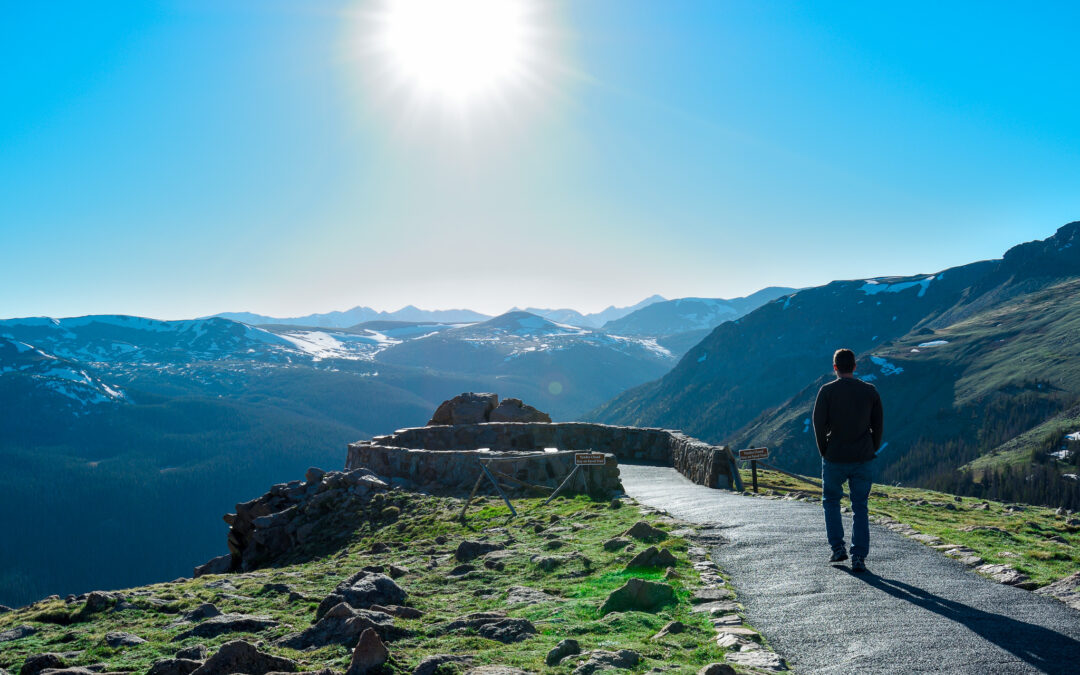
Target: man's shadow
1042, 648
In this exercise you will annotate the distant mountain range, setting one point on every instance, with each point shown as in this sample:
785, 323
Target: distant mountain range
681, 322
594, 320
967, 360
357, 315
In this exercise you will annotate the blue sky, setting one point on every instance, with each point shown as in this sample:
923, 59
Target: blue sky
179, 159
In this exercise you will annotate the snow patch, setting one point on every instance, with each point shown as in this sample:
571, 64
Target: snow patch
933, 343
887, 368
701, 359
874, 286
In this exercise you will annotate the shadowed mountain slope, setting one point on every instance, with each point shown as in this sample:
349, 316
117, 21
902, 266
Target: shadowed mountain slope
965, 359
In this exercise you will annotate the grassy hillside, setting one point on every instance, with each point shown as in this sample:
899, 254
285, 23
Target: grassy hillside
421, 535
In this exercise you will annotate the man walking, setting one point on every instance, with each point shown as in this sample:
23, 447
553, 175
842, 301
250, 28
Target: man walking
847, 427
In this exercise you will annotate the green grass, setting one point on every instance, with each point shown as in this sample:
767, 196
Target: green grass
581, 584
1025, 533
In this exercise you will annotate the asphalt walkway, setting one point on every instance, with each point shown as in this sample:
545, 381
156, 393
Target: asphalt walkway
916, 611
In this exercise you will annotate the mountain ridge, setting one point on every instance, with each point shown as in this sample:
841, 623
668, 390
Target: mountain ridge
960, 375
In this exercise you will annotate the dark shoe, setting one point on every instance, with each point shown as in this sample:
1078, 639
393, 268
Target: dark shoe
838, 556
858, 565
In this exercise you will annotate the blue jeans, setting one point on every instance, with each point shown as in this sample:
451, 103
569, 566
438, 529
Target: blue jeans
859, 477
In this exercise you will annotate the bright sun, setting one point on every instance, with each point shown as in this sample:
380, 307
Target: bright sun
459, 52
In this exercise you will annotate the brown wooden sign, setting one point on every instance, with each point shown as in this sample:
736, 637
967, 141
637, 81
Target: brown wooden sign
589, 459
754, 453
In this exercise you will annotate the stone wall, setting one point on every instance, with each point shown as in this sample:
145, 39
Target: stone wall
456, 471
700, 462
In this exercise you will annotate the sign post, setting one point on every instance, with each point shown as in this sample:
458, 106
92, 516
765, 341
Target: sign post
754, 454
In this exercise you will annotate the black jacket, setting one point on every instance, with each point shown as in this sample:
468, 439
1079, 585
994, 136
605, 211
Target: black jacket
847, 420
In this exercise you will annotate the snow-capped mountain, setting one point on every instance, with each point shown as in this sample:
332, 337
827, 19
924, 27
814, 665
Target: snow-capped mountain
67, 379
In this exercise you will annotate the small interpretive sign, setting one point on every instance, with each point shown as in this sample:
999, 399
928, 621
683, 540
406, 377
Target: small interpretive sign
589, 459
754, 453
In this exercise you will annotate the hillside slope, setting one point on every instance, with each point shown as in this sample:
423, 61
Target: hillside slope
965, 360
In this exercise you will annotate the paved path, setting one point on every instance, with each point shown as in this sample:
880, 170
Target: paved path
916, 611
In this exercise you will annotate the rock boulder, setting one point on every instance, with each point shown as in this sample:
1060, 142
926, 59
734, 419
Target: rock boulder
514, 410
467, 408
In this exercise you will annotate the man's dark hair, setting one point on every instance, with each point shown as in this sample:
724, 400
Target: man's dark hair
844, 360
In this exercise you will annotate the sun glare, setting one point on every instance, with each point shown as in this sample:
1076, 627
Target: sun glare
457, 52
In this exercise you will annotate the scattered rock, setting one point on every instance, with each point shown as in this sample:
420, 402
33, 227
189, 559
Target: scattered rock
716, 669
716, 608
523, 595
672, 573
643, 531
1066, 590
228, 623
203, 611
343, 625
470, 550
547, 563
116, 640
396, 571
17, 633
432, 663
652, 557
616, 503
240, 657
219, 565
1005, 574
599, 659
35, 663
710, 595
567, 647
194, 652
314, 475
370, 653
362, 590
926, 539
757, 659
672, 628
177, 666
639, 594
98, 601
508, 630
492, 625
461, 570
616, 543
398, 611
495, 670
